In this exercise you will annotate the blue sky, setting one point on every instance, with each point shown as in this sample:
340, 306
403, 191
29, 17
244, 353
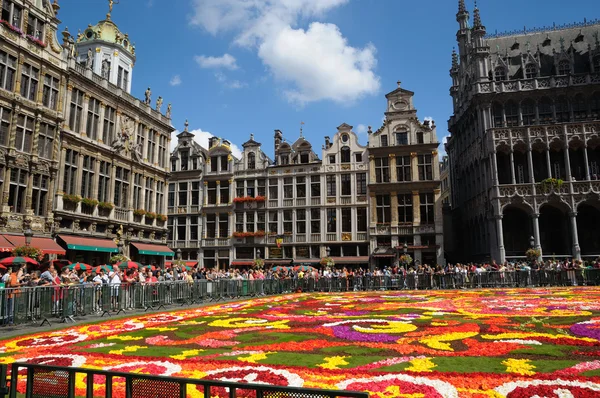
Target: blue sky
235, 67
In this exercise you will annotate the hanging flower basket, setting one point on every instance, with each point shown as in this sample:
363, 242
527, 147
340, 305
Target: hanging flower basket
405, 259
28, 251
259, 263
327, 262
533, 254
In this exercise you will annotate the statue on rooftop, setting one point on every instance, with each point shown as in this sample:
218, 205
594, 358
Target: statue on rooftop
105, 69
168, 114
89, 60
148, 98
159, 103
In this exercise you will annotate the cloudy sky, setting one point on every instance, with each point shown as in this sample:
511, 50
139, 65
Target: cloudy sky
235, 67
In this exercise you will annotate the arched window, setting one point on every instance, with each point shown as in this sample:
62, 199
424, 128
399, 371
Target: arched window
595, 106
579, 108
345, 155
545, 110
564, 67
401, 137
500, 73
596, 63
528, 112
285, 159
251, 161
561, 107
512, 114
530, 71
497, 115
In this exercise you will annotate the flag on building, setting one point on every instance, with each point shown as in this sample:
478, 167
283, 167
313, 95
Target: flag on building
279, 240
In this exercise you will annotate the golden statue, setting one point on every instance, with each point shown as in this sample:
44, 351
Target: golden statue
110, 5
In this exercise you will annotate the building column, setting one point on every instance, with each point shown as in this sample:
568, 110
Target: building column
494, 168
80, 174
393, 176
394, 208
535, 218
18, 73
153, 193
500, 239
587, 163
67, 111
548, 164
205, 193
100, 136
13, 127
50, 198
567, 162
576, 253
372, 176
61, 166
416, 208
143, 194
84, 115
6, 192
530, 164
36, 135
156, 146
96, 179
40, 92
218, 201
414, 167
232, 192
372, 209
111, 186
512, 167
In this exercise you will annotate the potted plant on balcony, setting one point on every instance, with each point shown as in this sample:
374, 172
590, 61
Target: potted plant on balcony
138, 214
105, 208
71, 201
161, 217
150, 217
550, 184
405, 259
88, 204
260, 198
327, 262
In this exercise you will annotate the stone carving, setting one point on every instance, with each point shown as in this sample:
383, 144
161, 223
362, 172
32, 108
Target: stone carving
22, 161
159, 103
105, 69
148, 96
168, 113
89, 60
93, 227
76, 225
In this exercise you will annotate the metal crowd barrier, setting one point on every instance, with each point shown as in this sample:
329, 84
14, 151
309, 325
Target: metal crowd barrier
53, 381
47, 304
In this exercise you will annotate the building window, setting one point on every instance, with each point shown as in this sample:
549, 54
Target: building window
545, 110
346, 219
251, 161
8, 70
93, 118
564, 67
121, 187
331, 220
405, 208
160, 197
402, 138
183, 194
76, 110
223, 225
304, 157
427, 208
224, 163
382, 170
285, 159
345, 155
39, 194
123, 78
300, 221
211, 226
239, 222
420, 137
511, 111
24, 136
425, 168
18, 187
403, 171
148, 194
500, 74
261, 221
171, 197
561, 106
288, 188
579, 108
103, 181
50, 92
595, 106
87, 176
273, 218
141, 139
358, 157
331, 185
224, 189
181, 228
497, 114
29, 81
150, 149
162, 151
596, 64
530, 71
12, 13
35, 27
195, 193
331, 159
301, 187
346, 184
239, 190
250, 222
384, 140
137, 191
315, 221
108, 129
287, 221
361, 219
361, 183
315, 186
5, 116
528, 112
384, 209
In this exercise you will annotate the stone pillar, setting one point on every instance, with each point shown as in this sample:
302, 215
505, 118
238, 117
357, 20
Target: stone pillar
500, 238
61, 166
20, 63
392, 163
414, 167
79, 175
156, 140
218, 192
548, 164
372, 177
530, 164
101, 126
232, 191
50, 206
143, 194
394, 208
96, 179
372, 208
416, 208
13, 128
84, 114
61, 86
153, 193
535, 218
494, 168
512, 167
587, 163
576, 253
40, 93
6, 192
111, 185
67, 107
36, 136
29, 194
205, 193
567, 163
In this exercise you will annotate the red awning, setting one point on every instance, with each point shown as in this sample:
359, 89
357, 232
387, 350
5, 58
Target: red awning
89, 244
187, 263
351, 260
384, 255
242, 263
46, 245
5, 245
279, 262
153, 250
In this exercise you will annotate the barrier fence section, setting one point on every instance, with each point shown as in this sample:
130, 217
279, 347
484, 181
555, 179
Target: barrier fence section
53, 381
47, 304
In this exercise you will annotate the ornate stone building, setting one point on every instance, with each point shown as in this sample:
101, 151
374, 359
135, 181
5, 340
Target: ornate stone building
404, 185
81, 153
524, 147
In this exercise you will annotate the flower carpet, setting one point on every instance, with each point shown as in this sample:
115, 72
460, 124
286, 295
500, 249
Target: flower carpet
481, 343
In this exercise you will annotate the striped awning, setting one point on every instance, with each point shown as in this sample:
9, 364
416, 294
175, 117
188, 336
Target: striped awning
89, 244
153, 250
46, 245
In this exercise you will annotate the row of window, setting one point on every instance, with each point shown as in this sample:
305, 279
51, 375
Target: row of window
405, 208
18, 191
25, 133
532, 71
30, 81
544, 111
401, 138
13, 14
101, 125
97, 173
403, 168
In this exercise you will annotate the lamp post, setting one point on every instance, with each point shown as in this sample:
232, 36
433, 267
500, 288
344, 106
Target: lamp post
257, 253
178, 254
28, 233
532, 242
405, 249
328, 251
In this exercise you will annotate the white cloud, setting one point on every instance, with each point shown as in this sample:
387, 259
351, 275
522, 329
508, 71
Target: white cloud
175, 80
226, 82
314, 64
361, 129
201, 137
226, 61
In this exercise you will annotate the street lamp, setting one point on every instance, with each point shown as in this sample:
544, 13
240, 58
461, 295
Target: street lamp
405, 248
28, 233
257, 253
532, 242
328, 251
178, 254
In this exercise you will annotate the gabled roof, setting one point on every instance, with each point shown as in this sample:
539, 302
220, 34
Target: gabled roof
399, 90
251, 142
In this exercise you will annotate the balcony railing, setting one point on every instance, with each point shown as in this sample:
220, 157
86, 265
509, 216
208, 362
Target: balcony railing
315, 237
300, 238
288, 202
301, 202
121, 214
345, 200
331, 237
361, 236
315, 201
273, 203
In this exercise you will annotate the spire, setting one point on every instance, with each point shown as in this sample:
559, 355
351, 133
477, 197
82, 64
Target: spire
461, 7
476, 17
454, 59
462, 17
187, 125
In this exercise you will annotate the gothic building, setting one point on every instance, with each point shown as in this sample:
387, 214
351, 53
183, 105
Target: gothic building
524, 147
83, 160
404, 185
